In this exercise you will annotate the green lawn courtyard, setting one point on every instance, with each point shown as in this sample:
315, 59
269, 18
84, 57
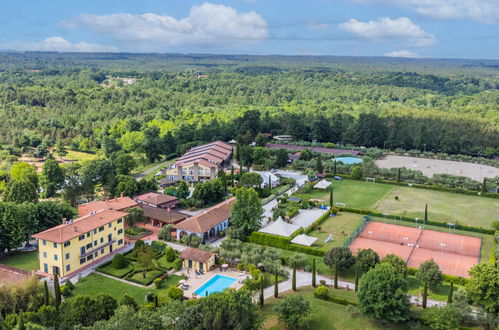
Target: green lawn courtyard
23, 260
442, 206
340, 226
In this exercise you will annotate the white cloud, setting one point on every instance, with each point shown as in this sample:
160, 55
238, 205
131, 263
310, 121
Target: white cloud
401, 30
207, 24
486, 11
403, 53
56, 44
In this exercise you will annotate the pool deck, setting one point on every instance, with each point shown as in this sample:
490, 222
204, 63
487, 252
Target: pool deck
196, 281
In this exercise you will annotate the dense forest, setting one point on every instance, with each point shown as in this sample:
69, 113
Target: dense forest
170, 101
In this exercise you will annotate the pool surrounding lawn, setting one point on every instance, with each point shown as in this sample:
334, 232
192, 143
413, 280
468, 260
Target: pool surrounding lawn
23, 260
217, 283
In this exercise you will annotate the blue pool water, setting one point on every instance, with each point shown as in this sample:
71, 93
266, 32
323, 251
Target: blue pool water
217, 283
349, 160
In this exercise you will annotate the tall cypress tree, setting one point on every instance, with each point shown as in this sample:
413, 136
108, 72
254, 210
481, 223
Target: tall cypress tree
334, 167
336, 276
261, 291
331, 201
314, 284
318, 166
293, 280
449, 297
276, 285
45, 293
425, 213
398, 175
232, 175
57, 291
484, 186
356, 277
425, 293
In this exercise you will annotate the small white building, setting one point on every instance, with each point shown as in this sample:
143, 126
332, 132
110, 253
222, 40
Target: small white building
274, 180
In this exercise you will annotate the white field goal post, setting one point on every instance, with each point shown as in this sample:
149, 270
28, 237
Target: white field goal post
372, 180
341, 204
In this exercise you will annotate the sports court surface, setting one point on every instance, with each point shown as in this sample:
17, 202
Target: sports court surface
454, 254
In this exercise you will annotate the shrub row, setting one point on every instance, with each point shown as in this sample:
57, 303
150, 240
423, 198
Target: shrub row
283, 243
447, 278
323, 293
425, 186
317, 222
495, 249
429, 222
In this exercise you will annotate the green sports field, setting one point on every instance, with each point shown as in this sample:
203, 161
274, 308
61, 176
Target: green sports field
442, 206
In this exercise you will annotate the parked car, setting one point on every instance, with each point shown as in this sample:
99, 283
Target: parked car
338, 178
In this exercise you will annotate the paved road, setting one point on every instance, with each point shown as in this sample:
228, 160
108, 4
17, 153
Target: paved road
305, 279
151, 170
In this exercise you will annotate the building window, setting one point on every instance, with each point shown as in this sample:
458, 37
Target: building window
82, 250
82, 261
66, 244
96, 254
55, 245
90, 257
95, 231
68, 268
67, 256
120, 231
120, 220
45, 268
88, 234
109, 237
56, 257
89, 246
44, 242
109, 225
120, 242
82, 237
45, 254
102, 251
95, 243
102, 239
101, 228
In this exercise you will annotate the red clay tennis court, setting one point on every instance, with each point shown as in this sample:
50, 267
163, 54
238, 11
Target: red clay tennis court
454, 254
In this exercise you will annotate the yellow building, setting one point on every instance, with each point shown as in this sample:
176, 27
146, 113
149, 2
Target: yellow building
198, 260
75, 244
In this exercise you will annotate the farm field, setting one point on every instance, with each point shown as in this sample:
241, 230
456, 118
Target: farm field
23, 260
442, 206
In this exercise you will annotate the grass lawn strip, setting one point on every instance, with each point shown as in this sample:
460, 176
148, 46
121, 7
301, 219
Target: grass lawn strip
340, 226
23, 260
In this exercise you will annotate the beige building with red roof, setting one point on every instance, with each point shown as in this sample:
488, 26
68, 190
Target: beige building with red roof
208, 223
117, 204
199, 260
67, 248
200, 163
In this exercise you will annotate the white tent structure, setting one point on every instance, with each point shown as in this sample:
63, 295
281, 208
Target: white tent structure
323, 184
279, 228
304, 240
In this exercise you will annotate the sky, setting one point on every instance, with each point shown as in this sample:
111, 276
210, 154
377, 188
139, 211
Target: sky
400, 28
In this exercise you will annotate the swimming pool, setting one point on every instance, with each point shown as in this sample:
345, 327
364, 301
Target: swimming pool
217, 283
349, 160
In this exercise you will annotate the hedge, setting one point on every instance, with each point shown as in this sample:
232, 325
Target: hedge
425, 186
337, 300
447, 278
317, 222
428, 222
283, 243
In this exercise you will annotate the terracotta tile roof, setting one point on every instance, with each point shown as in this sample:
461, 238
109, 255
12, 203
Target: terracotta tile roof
65, 232
213, 153
202, 222
202, 162
164, 215
155, 198
118, 204
196, 255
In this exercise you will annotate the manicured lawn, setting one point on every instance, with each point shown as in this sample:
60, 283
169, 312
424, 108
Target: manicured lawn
95, 284
79, 156
340, 226
110, 270
22, 260
356, 194
439, 293
325, 315
150, 276
442, 206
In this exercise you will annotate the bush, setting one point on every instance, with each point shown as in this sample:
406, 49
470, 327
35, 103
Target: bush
69, 284
495, 225
165, 233
170, 254
149, 296
177, 264
175, 293
157, 283
65, 291
321, 292
119, 261
158, 246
